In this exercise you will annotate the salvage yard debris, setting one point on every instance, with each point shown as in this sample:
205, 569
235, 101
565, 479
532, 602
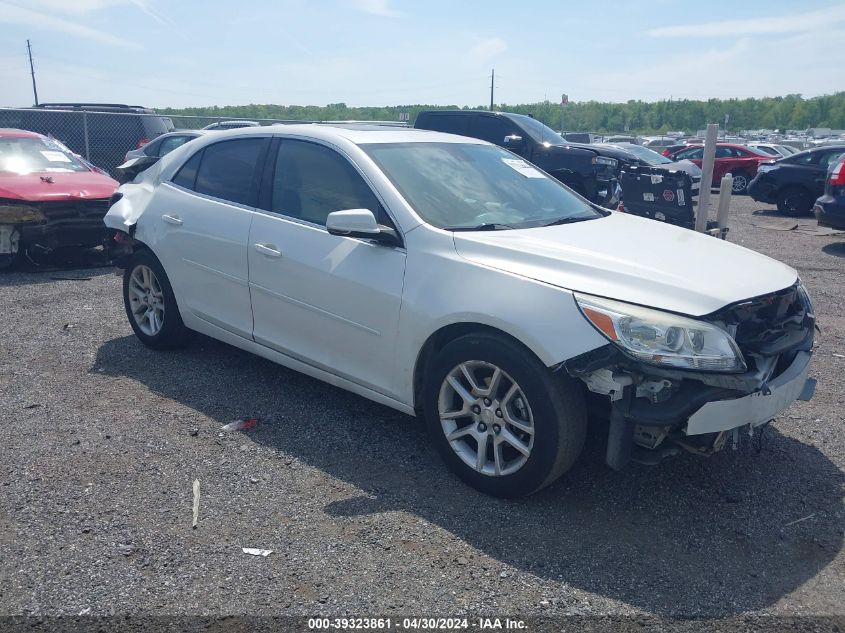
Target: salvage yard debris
196, 502
241, 425
254, 551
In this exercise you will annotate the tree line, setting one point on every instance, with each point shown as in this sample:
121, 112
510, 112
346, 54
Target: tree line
792, 112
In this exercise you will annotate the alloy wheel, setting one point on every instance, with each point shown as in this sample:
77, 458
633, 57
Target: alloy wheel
486, 418
146, 300
740, 183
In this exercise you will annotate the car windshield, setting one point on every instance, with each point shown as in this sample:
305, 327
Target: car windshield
25, 155
644, 153
462, 186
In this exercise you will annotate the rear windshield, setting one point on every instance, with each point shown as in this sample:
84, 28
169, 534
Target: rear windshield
28, 155
458, 186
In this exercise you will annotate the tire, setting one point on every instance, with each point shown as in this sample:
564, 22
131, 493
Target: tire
165, 330
551, 406
795, 201
740, 184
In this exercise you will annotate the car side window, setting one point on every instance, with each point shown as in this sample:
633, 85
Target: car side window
187, 175
725, 152
829, 158
808, 159
170, 143
227, 169
311, 181
687, 154
449, 123
151, 149
494, 129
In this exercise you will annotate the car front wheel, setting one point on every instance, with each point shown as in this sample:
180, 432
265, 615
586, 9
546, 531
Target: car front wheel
150, 302
500, 419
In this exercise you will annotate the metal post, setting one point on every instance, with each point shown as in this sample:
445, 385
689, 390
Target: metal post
725, 190
85, 132
32, 72
706, 177
492, 79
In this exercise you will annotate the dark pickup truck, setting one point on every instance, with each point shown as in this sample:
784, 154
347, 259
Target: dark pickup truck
586, 169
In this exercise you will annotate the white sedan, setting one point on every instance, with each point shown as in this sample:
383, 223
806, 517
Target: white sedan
448, 278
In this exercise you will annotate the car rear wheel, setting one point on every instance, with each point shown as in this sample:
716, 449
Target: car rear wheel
794, 200
150, 302
740, 184
501, 420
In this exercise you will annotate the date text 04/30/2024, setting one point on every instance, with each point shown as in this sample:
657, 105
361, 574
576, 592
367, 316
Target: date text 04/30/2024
415, 624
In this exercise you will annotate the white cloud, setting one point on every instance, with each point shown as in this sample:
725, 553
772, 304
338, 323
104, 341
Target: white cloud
376, 7
13, 14
486, 49
796, 23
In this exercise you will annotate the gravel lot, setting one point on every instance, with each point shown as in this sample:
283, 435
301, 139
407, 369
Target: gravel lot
105, 437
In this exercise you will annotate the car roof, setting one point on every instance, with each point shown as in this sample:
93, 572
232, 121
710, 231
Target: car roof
356, 133
9, 132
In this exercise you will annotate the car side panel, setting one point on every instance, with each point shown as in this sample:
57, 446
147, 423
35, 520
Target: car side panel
442, 288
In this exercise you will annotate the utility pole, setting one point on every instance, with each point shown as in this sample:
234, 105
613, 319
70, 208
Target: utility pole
492, 79
32, 72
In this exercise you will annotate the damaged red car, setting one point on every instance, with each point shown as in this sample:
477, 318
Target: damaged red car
49, 197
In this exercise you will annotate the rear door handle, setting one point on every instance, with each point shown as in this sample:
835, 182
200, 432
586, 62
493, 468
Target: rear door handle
172, 219
267, 249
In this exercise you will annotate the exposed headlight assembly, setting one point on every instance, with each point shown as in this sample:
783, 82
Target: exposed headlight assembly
662, 338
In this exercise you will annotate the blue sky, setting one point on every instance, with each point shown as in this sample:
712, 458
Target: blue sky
391, 52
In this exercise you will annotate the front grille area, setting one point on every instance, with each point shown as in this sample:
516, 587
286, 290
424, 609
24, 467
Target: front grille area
66, 209
770, 325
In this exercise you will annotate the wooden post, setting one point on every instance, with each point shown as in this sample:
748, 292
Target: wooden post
706, 177
725, 190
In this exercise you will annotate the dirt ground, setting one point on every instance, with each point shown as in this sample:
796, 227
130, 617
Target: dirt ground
103, 439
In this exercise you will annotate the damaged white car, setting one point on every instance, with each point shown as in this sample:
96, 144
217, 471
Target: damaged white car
446, 277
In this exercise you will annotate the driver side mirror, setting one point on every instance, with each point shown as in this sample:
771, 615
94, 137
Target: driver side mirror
513, 140
360, 223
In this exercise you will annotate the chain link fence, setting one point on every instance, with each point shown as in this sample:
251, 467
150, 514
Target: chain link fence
104, 138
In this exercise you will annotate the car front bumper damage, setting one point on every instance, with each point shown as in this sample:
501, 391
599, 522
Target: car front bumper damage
655, 412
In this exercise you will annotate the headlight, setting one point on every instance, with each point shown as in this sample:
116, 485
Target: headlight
662, 338
603, 160
805, 299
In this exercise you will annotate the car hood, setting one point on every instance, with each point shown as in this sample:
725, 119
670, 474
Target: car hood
631, 259
682, 165
64, 186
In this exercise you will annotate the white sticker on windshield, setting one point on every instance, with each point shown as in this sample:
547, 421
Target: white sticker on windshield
522, 167
55, 157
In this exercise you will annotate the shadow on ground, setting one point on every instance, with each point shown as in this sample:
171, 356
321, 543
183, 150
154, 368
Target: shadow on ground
837, 249
63, 264
729, 528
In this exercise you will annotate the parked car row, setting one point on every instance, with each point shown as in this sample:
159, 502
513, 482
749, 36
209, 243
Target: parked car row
794, 183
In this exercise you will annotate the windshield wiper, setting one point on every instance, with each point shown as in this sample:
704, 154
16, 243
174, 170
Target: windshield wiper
567, 221
489, 226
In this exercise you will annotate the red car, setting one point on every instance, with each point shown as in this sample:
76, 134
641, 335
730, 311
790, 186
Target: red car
738, 160
49, 196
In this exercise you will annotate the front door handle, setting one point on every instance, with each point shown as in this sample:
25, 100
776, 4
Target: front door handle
268, 249
172, 219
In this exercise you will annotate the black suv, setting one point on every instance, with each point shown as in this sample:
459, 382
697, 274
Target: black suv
794, 183
102, 133
588, 170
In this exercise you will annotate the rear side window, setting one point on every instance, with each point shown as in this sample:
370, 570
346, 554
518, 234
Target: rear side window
811, 158
227, 170
311, 181
449, 123
494, 129
187, 176
689, 154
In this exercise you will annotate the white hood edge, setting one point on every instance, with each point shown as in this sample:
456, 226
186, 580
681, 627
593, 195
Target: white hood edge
632, 259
